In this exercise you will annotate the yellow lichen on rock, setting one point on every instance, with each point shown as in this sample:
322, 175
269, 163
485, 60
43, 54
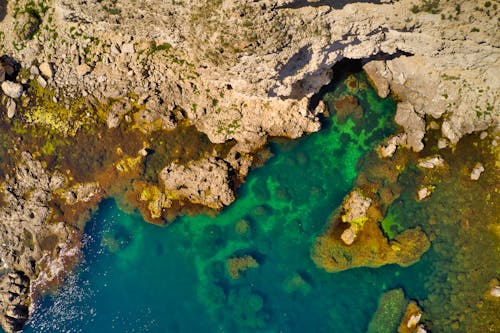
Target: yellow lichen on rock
157, 200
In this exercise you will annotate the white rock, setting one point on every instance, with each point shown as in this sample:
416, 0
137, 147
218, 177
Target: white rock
442, 143
483, 135
11, 108
431, 162
46, 70
477, 171
348, 236
114, 49
128, 48
34, 70
41, 81
495, 291
392, 144
12, 89
423, 193
413, 321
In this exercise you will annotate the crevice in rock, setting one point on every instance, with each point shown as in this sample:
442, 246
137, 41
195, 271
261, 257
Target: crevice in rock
339, 71
297, 4
348, 66
3, 9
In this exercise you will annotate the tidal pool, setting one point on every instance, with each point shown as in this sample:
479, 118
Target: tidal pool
137, 277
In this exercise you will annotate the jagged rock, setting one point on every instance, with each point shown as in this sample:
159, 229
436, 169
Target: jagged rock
354, 210
81, 193
388, 150
355, 207
14, 300
413, 125
477, 171
26, 193
206, 182
12, 89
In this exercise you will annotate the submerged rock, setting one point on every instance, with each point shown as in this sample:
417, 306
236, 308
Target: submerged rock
390, 310
236, 266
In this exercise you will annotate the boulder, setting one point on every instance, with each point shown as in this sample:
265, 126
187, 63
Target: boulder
11, 108
46, 70
477, 171
12, 89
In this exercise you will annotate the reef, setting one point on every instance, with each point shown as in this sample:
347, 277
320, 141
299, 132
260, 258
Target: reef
166, 108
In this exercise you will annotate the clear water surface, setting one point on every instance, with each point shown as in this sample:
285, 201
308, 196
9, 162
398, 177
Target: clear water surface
137, 277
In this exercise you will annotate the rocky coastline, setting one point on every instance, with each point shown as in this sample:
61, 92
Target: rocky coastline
166, 105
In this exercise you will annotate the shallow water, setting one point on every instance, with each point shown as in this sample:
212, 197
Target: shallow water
137, 277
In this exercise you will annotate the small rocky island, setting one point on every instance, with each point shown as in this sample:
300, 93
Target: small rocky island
167, 105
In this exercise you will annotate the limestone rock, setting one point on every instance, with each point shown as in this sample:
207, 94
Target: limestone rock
355, 207
413, 125
477, 171
388, 150
354, 212
82, 192
22, 230
83, 69
14, 300
442, 143
128, 48
431, 162
424, 192
206, 182
11, 108
12, 89
46, 70
495, 291
349, 235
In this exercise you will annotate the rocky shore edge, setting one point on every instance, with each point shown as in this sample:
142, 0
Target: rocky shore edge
71, 68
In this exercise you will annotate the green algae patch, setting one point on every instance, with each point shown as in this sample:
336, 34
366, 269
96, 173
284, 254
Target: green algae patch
390, 310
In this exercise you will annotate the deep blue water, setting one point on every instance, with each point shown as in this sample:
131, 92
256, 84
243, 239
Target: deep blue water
137, 277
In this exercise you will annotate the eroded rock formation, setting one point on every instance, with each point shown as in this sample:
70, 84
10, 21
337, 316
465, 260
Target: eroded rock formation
237, 71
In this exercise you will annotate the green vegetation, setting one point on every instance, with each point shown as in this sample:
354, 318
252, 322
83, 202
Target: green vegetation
428, 6
390, 310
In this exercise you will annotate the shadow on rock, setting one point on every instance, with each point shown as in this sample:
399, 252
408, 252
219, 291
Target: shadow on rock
3, 9
297, 4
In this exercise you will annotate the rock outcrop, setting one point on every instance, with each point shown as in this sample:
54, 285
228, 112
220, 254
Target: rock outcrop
206, 182
28, 241
239, 72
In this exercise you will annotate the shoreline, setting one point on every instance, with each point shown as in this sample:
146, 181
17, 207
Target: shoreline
173, 126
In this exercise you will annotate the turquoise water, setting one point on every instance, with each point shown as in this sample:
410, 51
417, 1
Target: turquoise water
137, 277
